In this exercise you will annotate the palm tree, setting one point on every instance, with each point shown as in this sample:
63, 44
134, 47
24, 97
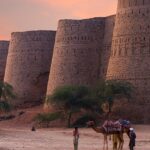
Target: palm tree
110, 90
71, 99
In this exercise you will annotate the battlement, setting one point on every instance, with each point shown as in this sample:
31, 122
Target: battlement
29, 36
132, 3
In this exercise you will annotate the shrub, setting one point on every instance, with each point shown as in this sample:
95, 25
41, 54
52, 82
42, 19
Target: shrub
5, 106
81, 122
46, 118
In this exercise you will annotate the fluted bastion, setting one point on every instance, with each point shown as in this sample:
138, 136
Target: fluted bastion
130, 53
76, 57
3, 57
28, 64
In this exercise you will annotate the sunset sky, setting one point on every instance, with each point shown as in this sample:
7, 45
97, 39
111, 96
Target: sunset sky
23, 15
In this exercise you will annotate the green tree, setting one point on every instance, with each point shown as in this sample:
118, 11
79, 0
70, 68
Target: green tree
6, 93
71, 99
110, 90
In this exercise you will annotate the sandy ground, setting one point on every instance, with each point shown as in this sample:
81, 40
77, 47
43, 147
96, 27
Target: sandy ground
61, 139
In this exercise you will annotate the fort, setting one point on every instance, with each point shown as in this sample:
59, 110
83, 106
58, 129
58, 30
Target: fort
83, 52
3, 56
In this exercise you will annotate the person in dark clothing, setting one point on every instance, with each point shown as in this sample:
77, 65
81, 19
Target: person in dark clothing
76, 138
132, 137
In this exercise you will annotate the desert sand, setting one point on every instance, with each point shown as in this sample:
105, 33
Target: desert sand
61, 139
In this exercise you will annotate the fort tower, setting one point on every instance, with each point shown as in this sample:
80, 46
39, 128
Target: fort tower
28, 64
77, 50
130, 53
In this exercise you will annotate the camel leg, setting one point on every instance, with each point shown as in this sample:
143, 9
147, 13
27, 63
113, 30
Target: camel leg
105, 145
121, 142
115, 142
118, 141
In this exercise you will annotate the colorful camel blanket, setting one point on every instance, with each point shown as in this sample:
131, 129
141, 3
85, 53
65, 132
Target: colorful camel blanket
118, 125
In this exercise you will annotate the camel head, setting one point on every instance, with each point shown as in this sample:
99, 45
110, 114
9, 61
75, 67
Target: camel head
126, 130
90, 123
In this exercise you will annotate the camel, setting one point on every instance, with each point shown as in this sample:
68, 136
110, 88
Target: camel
117, 136
117, 141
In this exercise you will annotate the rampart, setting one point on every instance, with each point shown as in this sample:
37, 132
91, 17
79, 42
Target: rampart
28, 64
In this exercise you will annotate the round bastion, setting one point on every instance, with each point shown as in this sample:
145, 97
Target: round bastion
130, 52
28, 65
77, 51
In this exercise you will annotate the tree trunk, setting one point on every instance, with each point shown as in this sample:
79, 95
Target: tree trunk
69, 119
109, 111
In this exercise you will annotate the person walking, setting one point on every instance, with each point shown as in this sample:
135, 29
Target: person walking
132, 137
75, 138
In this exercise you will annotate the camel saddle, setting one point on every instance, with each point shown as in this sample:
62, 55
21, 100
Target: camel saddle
110, 126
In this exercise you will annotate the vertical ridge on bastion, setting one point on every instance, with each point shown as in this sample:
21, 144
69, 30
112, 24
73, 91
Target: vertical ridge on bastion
130, 53
3, 57
76, 57
28, 64
107, 43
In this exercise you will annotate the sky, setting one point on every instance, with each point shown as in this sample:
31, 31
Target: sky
25, 15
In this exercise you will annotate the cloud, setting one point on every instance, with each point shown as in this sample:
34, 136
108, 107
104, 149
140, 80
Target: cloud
82, 8
22, 15
6, 27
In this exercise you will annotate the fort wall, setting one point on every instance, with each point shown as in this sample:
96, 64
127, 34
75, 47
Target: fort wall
3, 57
76, 58
28, 64
85, 51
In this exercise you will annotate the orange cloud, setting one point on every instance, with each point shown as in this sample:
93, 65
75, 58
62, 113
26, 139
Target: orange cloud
6, 27
83, 8
22, 15
4, 37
